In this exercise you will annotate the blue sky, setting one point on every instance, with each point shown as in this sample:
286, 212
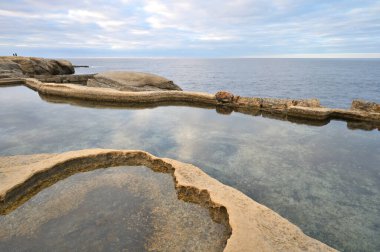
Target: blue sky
197, 28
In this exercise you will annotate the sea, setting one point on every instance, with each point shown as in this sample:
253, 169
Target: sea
336, 82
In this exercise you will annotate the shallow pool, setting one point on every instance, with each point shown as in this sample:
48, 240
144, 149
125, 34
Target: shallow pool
324, 179
112, 209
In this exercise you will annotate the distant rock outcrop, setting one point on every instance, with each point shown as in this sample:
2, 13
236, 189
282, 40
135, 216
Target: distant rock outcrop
132, 81
15, 67
365, 106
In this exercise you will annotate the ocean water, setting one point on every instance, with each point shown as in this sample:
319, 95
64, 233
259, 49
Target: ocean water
325, 179
336, 82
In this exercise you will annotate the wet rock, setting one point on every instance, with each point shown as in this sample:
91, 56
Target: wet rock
11, 67
132, 81
224, 97
365, 106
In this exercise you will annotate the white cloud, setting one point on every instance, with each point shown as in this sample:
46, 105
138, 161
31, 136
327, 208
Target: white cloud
247, 26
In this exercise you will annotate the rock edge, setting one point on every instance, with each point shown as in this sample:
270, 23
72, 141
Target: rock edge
254, 227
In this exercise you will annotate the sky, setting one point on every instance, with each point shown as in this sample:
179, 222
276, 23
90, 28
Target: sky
193, 28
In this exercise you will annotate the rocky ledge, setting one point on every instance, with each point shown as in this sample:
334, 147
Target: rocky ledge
305, 109
17, 66
132, 81
253, 226
52, 78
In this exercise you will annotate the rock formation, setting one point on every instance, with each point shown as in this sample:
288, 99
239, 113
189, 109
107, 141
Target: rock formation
286, 109
14, 67
366, 106
253, 226
132, 81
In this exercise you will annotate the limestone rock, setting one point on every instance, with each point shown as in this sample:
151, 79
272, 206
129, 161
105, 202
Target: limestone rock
9, 69
30, 66
365, 106
312, 103
132, 81
73, 78
224, 97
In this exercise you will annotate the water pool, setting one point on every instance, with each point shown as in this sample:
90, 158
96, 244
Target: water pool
324, 179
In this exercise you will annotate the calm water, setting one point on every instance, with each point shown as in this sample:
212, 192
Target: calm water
113, 209
324, 179
336, 82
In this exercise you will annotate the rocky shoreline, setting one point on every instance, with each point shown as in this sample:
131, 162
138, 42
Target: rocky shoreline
362, 114
55, 78
252, 225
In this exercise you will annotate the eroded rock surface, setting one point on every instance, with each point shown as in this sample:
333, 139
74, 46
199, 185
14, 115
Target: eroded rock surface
132, 81
365, 106
284, 109
13, 67
254, 227
224, 97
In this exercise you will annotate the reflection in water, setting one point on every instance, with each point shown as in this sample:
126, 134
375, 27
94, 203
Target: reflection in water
324, 179
121, 208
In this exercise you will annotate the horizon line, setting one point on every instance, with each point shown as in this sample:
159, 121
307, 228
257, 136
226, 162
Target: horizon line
274, 56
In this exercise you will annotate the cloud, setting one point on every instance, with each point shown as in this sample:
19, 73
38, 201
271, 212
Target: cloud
174, 28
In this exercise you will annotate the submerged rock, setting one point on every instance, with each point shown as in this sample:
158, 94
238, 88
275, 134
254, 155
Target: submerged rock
11, 67
132, 81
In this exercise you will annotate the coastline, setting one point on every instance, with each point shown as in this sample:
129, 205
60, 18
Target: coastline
304, 111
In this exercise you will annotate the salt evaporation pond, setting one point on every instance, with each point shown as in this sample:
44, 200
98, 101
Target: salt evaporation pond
325, 179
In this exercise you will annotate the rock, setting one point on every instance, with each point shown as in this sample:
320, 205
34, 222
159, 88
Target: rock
224, 97
11, 67
312, 103
74, 78
276, 104
132, 81
365, 106
254, 226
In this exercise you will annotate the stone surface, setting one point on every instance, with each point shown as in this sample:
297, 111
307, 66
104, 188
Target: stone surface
273, 103
132, 81
365, 106
254, 227
307, 109
75, 78
11, 67
224, 97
